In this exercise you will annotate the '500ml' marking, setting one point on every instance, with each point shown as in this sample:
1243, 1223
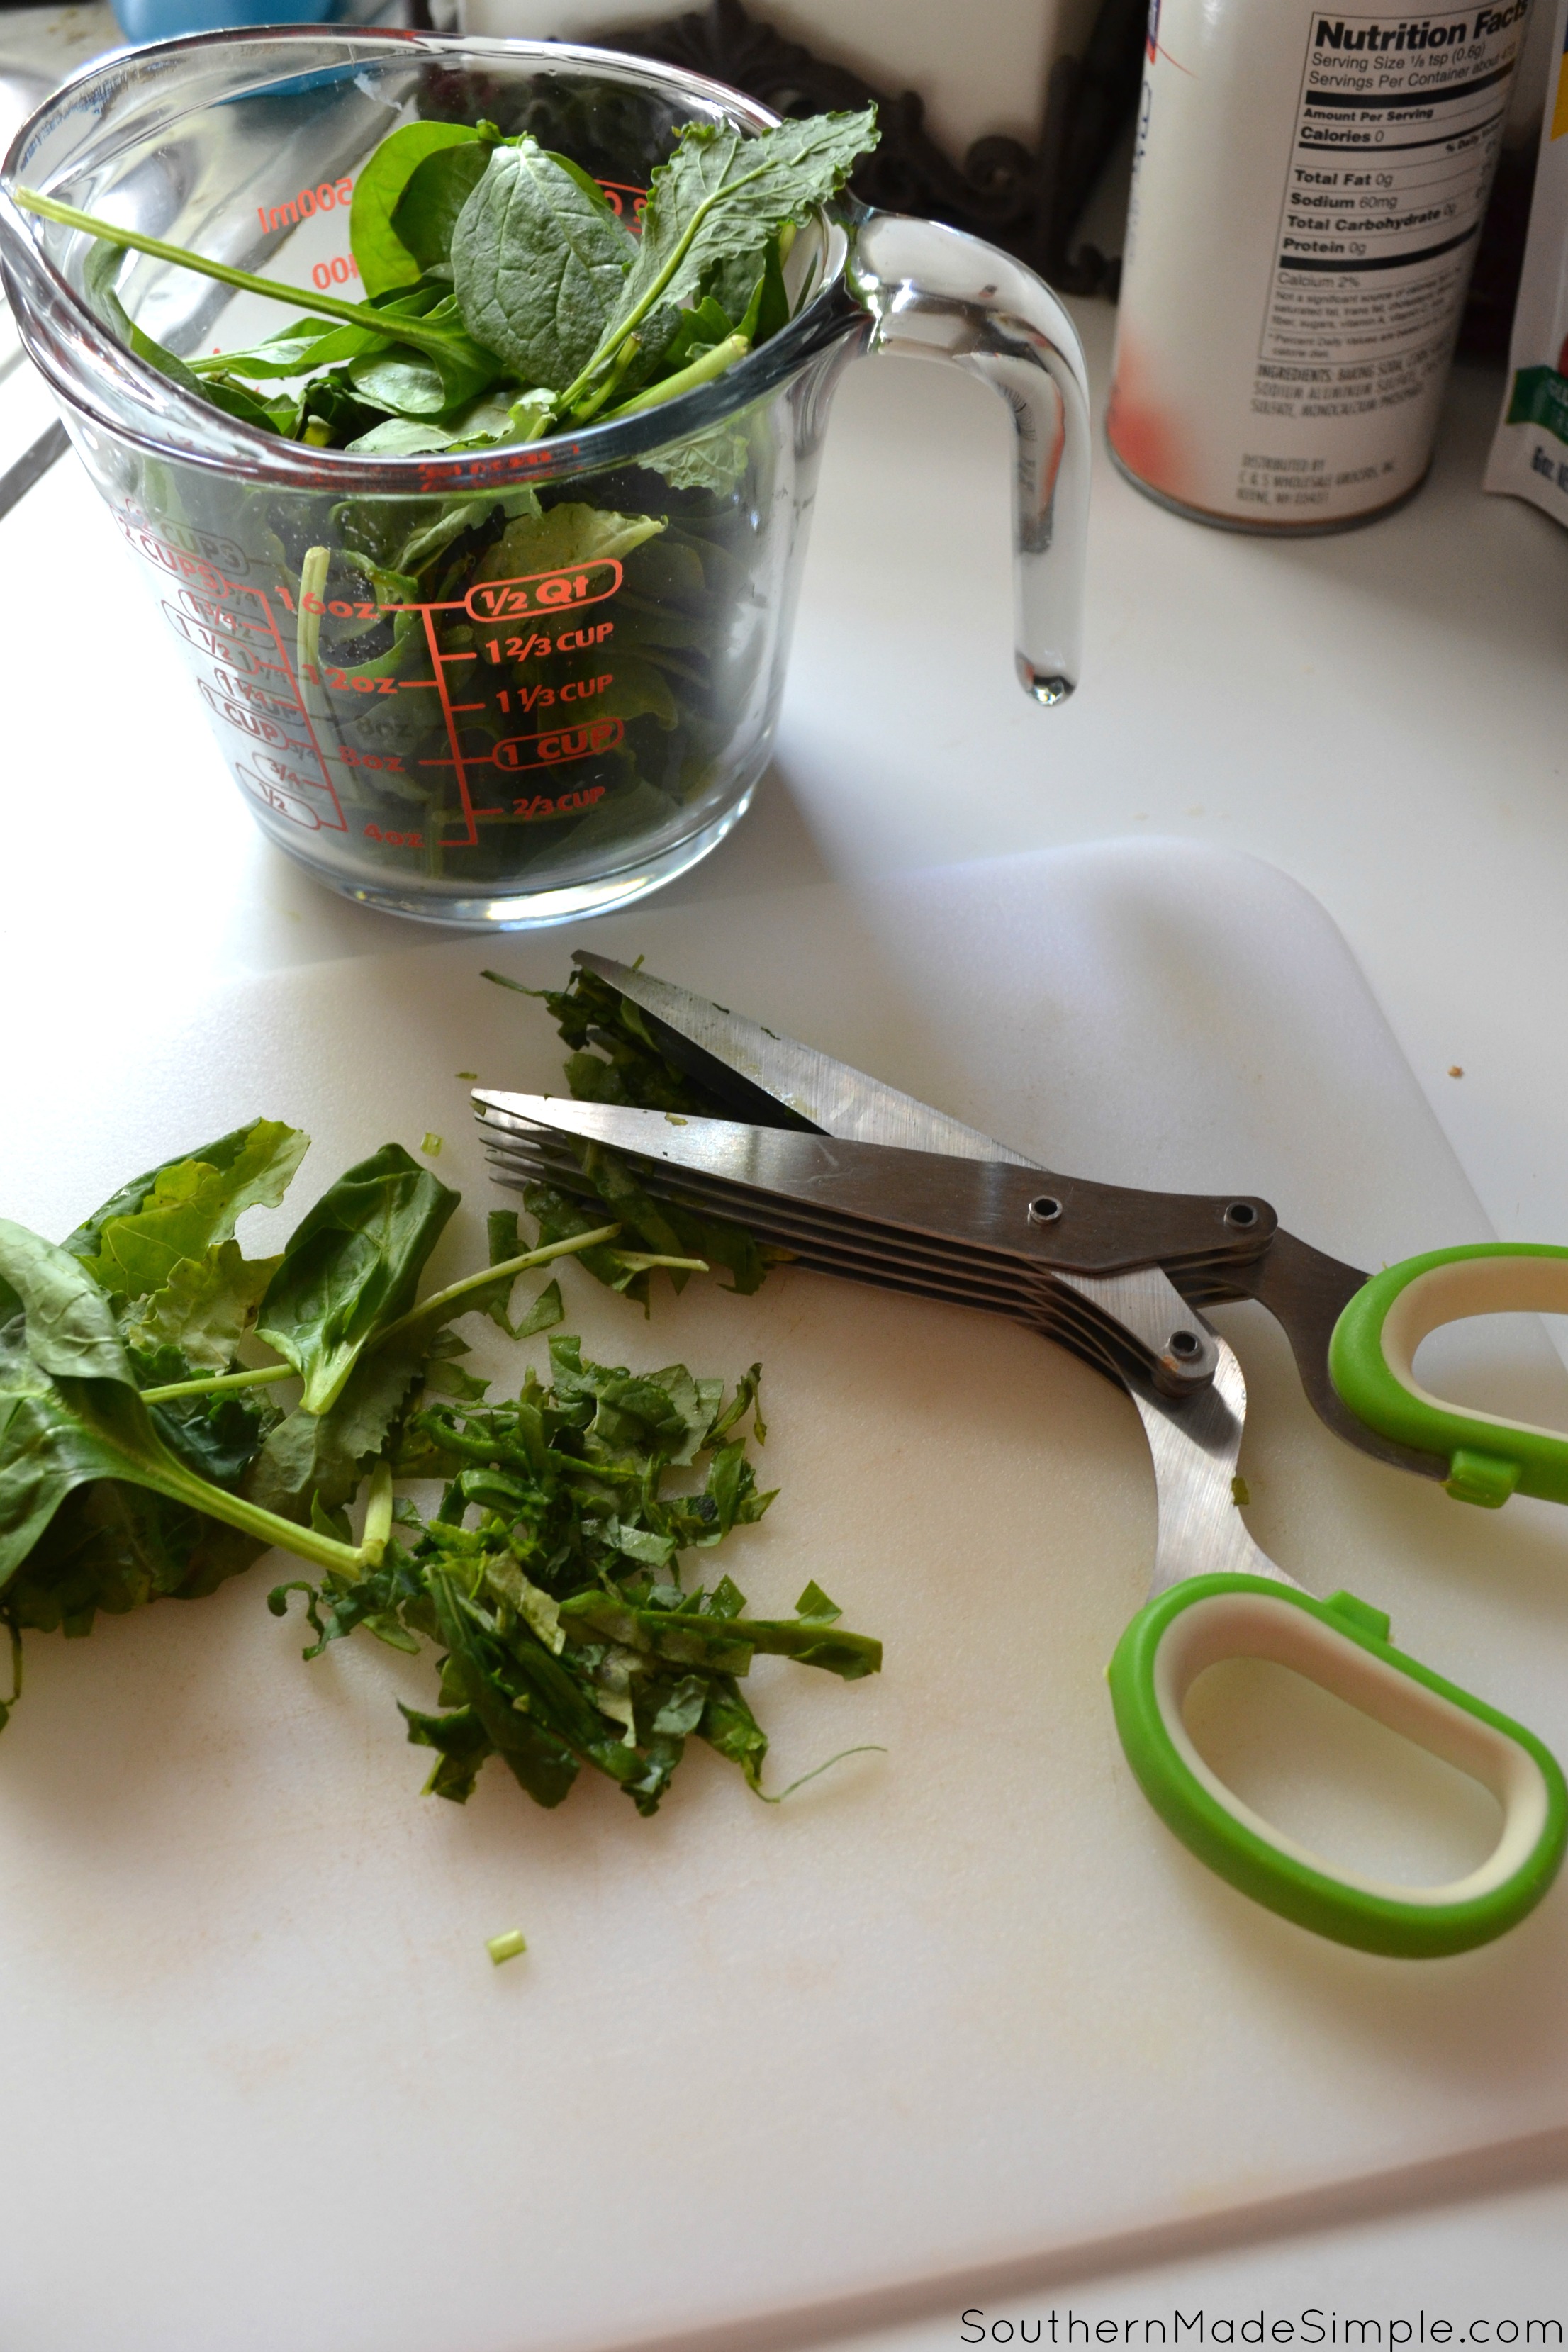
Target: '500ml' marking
543, 592
304, 203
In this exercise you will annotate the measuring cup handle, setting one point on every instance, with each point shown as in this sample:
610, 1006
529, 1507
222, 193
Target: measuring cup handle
936, 293
1372, 1357
1341, 1645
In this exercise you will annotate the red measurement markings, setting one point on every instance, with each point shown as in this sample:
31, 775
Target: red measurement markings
342, 681
548, 750
188, 553
304, 203
459, 764
336, 272
237, 629
543, 592
544, 698
520, 649
623, 200
567, 804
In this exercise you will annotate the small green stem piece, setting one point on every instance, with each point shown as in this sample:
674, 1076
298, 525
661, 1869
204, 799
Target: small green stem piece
312, 581
642, 1262
714, 362
588, 408
377, 1515
221, 1384
440, 1301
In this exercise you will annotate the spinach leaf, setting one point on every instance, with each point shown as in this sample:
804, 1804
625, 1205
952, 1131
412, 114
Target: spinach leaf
305, 343
69, 1332
206, 1307
722, 195
320, 1457
563, 538
539, 264
351, 1267
70, 1410
382, 259
183, 1210
405, 383
427, 212
403, 436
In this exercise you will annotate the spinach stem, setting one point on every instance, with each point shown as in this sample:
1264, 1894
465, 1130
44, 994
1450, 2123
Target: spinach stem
377, 1514
589, 408
313, 693
313, 582
185, 1487
712, 364
221, 1384
640, 1262
614, 335
401, 328
440, 1301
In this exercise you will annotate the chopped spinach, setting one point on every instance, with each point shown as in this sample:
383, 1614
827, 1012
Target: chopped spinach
569, 1638
141, 1459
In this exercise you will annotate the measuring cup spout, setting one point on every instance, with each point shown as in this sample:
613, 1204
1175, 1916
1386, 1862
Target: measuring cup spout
935, 293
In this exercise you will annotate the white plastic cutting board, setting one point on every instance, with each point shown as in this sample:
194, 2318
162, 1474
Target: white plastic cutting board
948, 2007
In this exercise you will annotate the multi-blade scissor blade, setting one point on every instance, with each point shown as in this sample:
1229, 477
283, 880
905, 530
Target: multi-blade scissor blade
1082, 1258
774, 1081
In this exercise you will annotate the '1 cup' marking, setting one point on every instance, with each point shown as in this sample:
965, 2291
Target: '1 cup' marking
560, 743
544, 592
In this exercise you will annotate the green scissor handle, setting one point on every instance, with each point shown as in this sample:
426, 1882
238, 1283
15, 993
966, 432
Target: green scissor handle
1342, 1644
1372, 1357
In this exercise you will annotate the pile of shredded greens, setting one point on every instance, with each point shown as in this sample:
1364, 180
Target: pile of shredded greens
145, 1454
507, 298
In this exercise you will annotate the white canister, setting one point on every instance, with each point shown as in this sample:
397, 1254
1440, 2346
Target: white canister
1306, 197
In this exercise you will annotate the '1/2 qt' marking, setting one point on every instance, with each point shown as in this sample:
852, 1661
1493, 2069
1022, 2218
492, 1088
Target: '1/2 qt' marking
543, 592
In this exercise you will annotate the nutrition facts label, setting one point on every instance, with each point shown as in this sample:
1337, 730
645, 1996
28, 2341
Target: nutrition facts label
1397, 128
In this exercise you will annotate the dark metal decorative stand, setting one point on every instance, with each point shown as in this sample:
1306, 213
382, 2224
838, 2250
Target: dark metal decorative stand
1027, 203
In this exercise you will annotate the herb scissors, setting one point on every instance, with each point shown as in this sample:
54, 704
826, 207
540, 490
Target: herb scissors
852, 1177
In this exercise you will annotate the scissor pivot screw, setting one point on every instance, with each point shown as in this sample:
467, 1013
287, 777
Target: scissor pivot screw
1045, 1209
1241, 1213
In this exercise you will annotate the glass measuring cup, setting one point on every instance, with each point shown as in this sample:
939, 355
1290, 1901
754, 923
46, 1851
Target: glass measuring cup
578, 699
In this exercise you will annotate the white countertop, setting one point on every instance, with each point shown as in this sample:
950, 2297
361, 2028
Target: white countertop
1382, 714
